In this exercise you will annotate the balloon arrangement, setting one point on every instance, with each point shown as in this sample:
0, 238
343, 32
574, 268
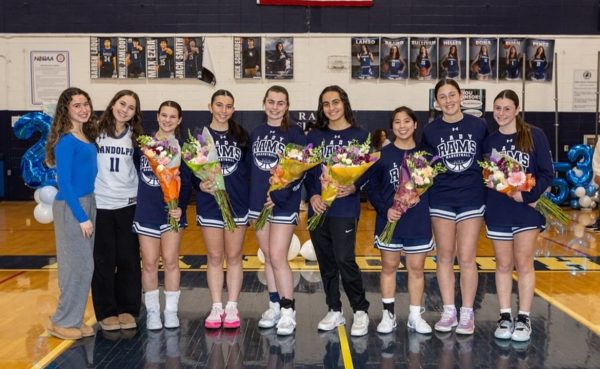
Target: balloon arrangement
578, 187
33, 169
307, 251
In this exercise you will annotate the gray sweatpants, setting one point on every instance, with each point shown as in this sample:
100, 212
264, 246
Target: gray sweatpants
75, 255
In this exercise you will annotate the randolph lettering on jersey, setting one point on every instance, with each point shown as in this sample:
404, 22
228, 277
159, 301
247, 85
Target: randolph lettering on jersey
317, 2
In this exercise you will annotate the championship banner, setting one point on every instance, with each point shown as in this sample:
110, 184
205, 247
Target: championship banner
317, 2
483, 58
279, 57
394, 56
423, 54
365, 57
452, 58
540, 60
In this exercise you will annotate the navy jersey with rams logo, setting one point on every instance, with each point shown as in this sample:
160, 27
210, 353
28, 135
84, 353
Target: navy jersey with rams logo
265, 143
459, 147
504, 211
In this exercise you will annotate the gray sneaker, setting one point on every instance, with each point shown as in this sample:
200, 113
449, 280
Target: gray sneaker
522, 330
504, 329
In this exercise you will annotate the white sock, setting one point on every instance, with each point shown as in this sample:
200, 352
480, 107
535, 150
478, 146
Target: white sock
521, 312
509, 311
217, 305
450, 308
388, 300
231, 304
414, 310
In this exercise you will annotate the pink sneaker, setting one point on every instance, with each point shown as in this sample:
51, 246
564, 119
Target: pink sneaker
214, 319
447, 322
232, 318
467, 322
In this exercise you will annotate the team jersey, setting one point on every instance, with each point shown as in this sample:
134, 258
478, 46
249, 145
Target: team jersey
459, 147
539, 68
502, 210
383, 180
484, 64
265, 143
107, 55
76, 171
136, 56
348, 206
452, 66
117, 180
165, 64
234, 167
395, 65
151, 207
513, 68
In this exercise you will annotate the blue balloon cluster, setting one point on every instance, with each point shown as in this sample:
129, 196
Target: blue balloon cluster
35, 173
578, 172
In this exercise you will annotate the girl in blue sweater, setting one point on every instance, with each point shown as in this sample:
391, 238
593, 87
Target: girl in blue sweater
513, 224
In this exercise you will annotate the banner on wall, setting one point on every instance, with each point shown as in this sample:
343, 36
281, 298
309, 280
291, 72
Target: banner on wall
160, 56
247, 57
103, 57
49, 75
452, 58
423, 54
473, 103
279, 57
540, 60
393, 60
510, 61
483, 58
132, 57
316, 2
365, 57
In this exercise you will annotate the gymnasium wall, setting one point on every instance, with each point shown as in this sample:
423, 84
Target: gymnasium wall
318, 33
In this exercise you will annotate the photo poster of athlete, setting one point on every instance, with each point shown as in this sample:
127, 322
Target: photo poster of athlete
279, 57
132, 57
365, 57
160, 57
193, 51
423, 55
510, 58
473, 103
540, 60
103, 57
483, 58
394, 58
452, 54
247, 63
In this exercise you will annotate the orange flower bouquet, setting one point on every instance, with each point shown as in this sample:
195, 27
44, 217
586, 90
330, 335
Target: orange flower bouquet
504, 174
343, 168
200, 155
294, 161
164, 158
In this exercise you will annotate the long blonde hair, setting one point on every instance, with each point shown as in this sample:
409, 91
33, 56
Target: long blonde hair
62, 124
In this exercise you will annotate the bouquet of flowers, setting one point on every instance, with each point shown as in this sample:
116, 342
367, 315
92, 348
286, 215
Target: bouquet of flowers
416, 176
294, 161
504, 174
200, 155
343, 168
164, 160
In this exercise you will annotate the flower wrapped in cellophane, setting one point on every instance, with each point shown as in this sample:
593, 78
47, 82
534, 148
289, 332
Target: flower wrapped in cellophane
294, 161
416, 176
343, 168
164, 159
200, 155
504, 174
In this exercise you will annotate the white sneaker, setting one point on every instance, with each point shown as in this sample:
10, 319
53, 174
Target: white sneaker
332, 320
360, 324
271, 316
418, 324
388, 322
171, 319
522, 331
153, 321
287, 322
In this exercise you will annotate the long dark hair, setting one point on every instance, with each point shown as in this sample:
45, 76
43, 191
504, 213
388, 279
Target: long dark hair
444, 82
285, 122
176, 106
408, 111
322, 120
62, 123
107, 123
524, 137
237, 131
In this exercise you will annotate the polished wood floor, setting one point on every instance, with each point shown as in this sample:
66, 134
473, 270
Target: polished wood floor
567, 264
